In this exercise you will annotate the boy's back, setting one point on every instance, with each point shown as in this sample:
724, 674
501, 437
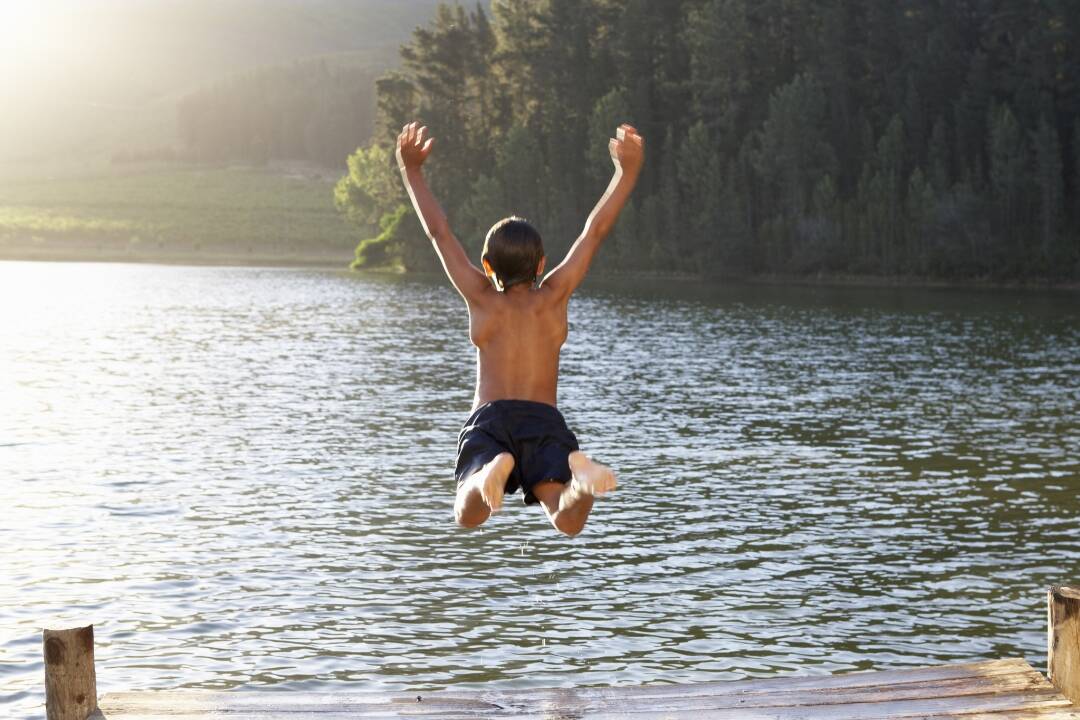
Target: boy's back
518, 334
515, 436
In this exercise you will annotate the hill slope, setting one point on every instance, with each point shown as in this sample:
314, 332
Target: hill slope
79, 74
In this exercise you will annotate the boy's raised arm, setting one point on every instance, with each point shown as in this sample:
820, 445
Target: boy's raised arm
627, 150
413, 148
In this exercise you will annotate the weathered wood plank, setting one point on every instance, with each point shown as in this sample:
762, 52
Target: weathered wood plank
900, 676
961, 672
1053, 713
849, 681
1063, 640
1030, 714
593, 702
1049, 714
191, 704
998, 689
314, 715
996, 707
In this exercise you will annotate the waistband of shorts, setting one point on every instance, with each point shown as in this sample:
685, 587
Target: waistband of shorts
512, 404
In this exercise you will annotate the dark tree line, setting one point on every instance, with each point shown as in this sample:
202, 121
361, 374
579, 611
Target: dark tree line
936, 138
312, 111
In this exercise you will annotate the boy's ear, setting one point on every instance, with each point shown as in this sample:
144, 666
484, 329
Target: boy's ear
491, 274
540, 266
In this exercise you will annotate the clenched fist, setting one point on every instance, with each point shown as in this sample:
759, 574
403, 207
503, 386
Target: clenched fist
627, 149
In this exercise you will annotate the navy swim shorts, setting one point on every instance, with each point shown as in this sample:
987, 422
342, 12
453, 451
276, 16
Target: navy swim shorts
534, 433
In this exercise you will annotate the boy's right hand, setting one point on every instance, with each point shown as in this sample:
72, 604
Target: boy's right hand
627, 149
413, 146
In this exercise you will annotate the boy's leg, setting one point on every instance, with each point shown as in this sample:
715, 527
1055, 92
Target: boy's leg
568, 506
482, 492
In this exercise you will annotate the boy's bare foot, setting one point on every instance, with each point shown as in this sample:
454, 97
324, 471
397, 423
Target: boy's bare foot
490, 480
590, 478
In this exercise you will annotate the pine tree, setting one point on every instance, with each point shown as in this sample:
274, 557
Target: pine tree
519, 170
971, 112
920, 212
1048, 175
1076, 189
794, 152
515, 24
675, 233
700, 185
915, 124
610, 111
397, 105
837, 68
654, 249
718, 37
487, 109
937, 157
1008, 174
891, 187
633, 52
486, 205
439, 62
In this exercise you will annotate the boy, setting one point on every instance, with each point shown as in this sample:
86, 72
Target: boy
515, 436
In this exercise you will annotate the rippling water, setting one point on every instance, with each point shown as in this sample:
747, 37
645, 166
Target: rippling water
243, 478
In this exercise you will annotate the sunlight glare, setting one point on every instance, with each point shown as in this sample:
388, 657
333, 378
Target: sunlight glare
24, 28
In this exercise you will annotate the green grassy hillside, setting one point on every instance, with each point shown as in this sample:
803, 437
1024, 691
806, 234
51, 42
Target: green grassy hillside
169, 214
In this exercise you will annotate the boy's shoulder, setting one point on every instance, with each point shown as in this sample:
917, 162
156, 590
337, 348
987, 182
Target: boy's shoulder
520, 298
522, 310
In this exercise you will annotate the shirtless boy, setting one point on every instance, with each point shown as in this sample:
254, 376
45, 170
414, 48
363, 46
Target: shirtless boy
515, 436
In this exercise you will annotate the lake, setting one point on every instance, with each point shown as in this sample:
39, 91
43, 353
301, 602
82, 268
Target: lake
243, 478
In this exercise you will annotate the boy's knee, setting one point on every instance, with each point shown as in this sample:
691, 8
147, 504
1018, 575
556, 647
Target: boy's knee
568, 527
468, 519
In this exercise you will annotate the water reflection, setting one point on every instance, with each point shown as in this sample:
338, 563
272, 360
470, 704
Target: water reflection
243, 477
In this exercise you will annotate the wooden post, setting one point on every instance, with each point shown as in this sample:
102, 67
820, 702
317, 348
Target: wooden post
1063, 640
70, 682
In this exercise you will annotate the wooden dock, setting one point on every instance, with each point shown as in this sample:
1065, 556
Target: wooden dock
995, 689
988, 690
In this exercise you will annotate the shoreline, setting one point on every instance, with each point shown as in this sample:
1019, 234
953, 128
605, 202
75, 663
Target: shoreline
330, 261
873, 282
887, 281
318, 261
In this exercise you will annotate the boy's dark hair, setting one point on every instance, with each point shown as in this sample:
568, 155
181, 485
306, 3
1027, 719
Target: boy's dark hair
513, 249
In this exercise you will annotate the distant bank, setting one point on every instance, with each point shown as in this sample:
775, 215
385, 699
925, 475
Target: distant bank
95, 251
176, 214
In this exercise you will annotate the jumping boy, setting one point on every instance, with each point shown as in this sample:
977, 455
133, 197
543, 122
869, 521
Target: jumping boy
515, 436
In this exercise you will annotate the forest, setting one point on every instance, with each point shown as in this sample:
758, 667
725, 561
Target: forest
915, 139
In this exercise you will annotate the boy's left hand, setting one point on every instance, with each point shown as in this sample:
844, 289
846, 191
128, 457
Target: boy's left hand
627, 149
413, 146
